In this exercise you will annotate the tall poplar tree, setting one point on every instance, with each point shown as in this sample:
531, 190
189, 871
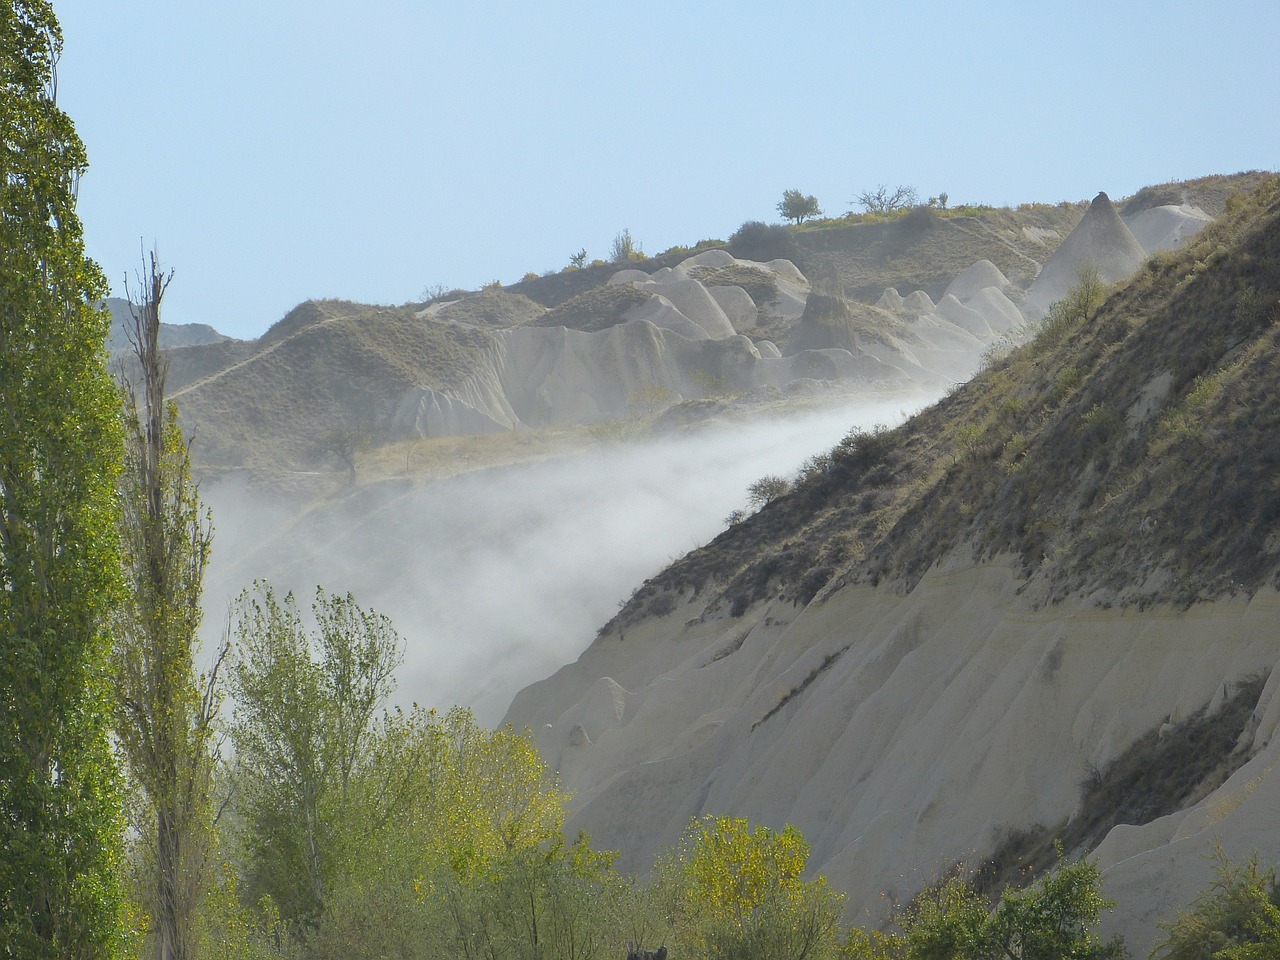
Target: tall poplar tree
165, 713
60, 447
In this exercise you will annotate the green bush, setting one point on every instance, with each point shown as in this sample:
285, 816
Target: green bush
1237, 918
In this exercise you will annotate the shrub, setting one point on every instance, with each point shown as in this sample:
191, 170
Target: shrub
762, 241
1239, 915
767, 489
625, 248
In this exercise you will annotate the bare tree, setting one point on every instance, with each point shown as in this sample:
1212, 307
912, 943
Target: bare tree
884, 200
343, 443
166, 712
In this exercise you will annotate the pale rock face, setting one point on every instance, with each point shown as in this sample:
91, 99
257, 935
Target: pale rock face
1101, 240
691, 298
949, 308
624, 277
661, 312
981, 274
709, 258
890, 300
787, 270
768, 349
429, 413
903, 733
952, 351
999, 311
917, 303
1167, 227
737, 305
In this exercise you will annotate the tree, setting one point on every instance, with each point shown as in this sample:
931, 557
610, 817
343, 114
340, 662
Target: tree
302, 730
60, 443
344, 443
1052, 919
1237, 918
884, 200
451, 834
794, 205
165, 713
579, 259
767, 489
737, 892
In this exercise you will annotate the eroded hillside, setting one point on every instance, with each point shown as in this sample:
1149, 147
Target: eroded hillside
908, 302
951, 634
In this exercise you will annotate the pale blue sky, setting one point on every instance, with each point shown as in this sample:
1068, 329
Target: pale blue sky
277, 150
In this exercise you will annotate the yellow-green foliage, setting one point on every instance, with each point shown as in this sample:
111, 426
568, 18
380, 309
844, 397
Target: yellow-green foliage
1237, 918
735, 891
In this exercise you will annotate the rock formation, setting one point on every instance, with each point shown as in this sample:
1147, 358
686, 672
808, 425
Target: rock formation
1100, 240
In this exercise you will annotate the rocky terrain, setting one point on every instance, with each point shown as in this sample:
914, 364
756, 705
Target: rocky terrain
1045, 607
908, 304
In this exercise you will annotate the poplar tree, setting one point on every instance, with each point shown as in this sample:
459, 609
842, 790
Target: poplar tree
60, 821
165, 713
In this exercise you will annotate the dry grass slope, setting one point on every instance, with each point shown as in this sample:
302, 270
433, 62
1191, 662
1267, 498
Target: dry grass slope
333, 365
1130, 456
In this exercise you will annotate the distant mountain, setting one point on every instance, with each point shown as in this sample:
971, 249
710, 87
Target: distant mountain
1046, 607
171, 334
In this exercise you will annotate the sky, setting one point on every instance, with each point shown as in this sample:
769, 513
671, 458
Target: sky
274, 151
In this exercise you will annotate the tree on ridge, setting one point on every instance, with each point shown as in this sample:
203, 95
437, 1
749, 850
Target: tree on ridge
797, 207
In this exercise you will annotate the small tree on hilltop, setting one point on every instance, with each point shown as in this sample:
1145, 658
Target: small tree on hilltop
797, 207
884, 200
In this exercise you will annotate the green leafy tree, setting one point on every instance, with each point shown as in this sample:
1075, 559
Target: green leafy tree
1237, 918
1087, 295
344, 443
303, 728
165, 712
767, 489
797, 207
1053, 919
736, 892
60, 443
559, 900
451, 844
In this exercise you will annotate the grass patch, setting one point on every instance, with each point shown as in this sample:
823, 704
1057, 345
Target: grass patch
596, 309
1164, 771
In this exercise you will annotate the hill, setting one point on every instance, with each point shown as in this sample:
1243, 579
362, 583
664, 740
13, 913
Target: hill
171, 334
617, 343
1044, 607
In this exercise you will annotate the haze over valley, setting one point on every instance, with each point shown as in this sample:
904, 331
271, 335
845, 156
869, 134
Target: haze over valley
669, 514
500, 575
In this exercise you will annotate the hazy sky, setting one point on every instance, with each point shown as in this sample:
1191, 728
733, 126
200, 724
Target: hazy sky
278, 150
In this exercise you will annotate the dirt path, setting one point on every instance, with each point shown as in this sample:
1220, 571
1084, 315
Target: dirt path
264, 352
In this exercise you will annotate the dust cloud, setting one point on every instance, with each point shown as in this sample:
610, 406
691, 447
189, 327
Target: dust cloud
497, 578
